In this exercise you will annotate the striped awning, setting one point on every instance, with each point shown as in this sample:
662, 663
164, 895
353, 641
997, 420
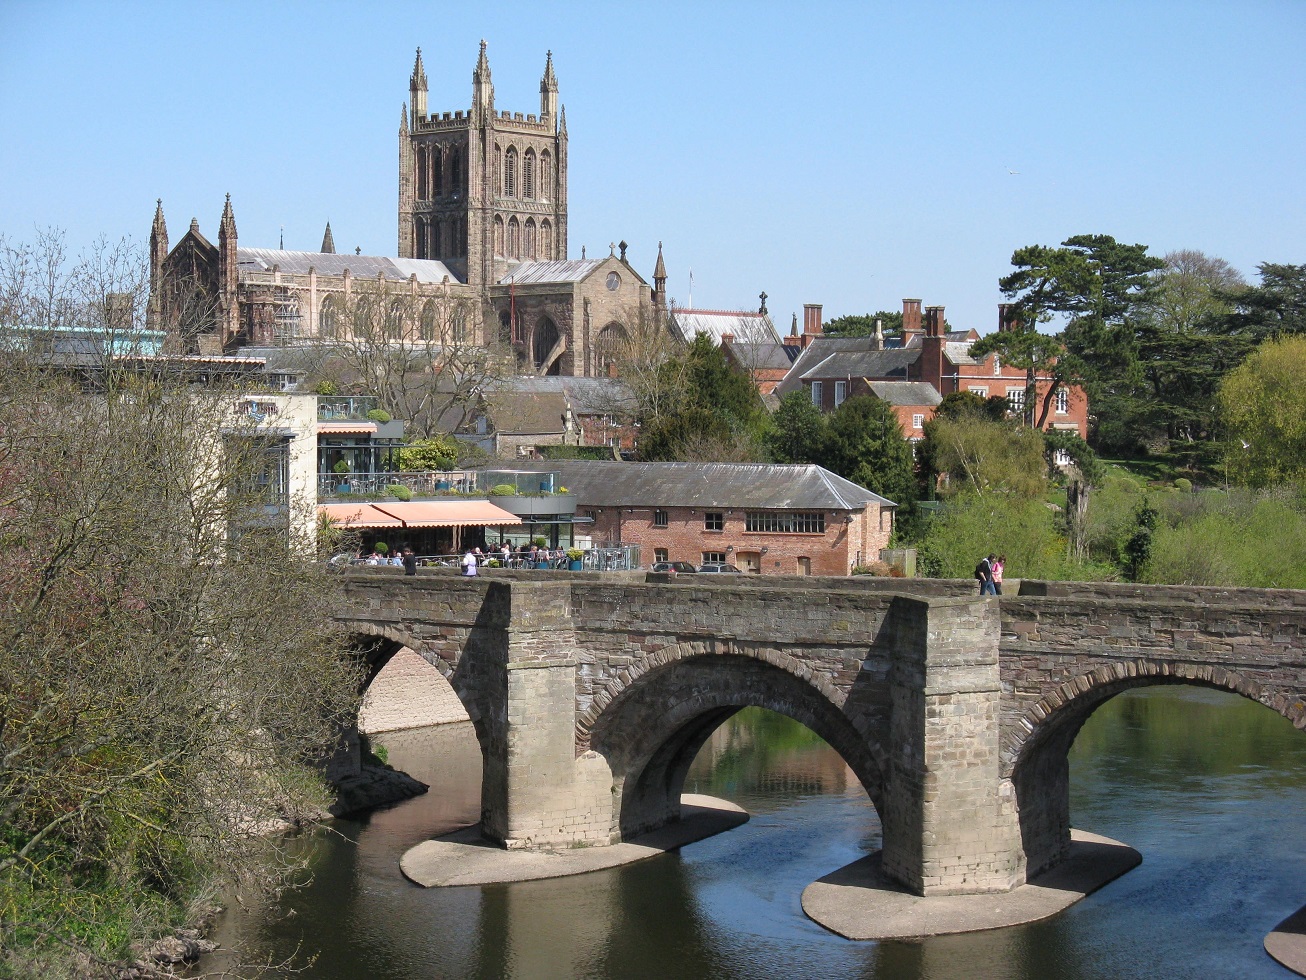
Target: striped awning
351, 428
420, 513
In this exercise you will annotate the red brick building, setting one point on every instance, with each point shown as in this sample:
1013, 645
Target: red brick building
765, 518
833, 369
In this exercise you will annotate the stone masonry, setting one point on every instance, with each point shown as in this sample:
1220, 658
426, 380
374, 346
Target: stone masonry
591, 694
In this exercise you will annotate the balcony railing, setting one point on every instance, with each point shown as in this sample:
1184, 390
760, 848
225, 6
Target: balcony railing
426, 483
340, 408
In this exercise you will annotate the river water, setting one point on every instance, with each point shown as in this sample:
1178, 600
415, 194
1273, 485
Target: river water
1208, 786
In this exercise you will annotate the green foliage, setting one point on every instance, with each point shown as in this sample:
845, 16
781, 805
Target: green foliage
1138, 549
864, 325
326, 388
866, 445
341, 467
1253, 539
425, 455
575, 554
1183, 485
710, 411
970, 526
799, 430
1263, 406
381, 548
380, 415
399, 491
982, 457
502, 490
1274, 308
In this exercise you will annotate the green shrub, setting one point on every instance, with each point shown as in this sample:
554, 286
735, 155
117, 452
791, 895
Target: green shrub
341, 467
503, 490
399, 491
381, 548
539, 542
575, 554
380, 415
1183, 485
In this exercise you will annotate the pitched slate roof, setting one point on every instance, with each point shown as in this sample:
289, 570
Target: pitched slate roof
764, 357
913, 393
588, 396
331, 264
863, 364
760, 486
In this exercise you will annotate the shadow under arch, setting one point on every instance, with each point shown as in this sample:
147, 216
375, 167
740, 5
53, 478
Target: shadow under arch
651, 730
1040, 773
375, 647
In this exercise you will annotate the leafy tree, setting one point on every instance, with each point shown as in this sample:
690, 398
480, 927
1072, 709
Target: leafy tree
710, 411
855, 325
1082, 475
1138, 549
1095, 285
799, 430
1275, 307
1192, 289
982, 457
440, 453
866, 445
1263, 406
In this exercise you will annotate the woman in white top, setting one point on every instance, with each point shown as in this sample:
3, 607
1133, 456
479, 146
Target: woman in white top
469, 564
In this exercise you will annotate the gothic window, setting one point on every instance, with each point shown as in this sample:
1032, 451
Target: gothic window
459, 325
437, 172
543, 341
607, 347
510, 172
1063, 401
456, 171
428, 320
421, 173
498, 235
394, 320
328, 319
528, 176
436, 239
419, 237
514, 239
546, 175
462, 236
529, 243
546, 240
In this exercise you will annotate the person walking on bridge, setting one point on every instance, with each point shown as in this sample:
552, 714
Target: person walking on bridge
984, 572
469, 564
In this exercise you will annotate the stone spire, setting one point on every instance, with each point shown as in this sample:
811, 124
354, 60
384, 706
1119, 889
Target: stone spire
548, 90
417, 89
482, 86
562, 122
328, 243
158, 237
403, 119
228, 312
660, 281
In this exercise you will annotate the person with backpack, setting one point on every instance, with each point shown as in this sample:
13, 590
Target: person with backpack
984, 572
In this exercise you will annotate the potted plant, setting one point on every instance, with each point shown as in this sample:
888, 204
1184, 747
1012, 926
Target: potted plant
341, 469
574, 559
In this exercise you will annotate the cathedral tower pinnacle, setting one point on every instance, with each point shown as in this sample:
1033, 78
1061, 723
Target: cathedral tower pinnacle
417, 90
482, 86
548, 91
328, 242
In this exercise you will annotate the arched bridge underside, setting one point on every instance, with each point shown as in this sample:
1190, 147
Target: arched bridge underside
591, 697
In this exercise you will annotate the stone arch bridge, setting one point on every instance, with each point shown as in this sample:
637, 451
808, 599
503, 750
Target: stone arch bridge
591, 696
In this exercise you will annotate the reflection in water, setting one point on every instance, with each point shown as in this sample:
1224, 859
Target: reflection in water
1207, 786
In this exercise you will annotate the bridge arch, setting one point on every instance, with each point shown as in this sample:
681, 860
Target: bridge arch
377, 645
1036, 752
651, 722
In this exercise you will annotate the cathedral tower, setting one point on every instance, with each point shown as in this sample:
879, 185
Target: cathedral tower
483, 190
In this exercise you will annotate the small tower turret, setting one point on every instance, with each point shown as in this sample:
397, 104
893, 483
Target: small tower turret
158, 253
228, 312
328, 243
660, 282
548, 91
406, 168
417, 90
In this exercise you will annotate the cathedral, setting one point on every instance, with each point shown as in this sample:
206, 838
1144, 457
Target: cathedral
482, 255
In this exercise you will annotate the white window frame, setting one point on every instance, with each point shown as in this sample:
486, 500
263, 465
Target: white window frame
840, 392
1016, 400
1062, 401
997, 366
979, 392
917, 421
818, 394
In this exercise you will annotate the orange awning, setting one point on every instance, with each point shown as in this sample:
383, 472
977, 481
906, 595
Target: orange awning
357, 428
447, 513
358, 515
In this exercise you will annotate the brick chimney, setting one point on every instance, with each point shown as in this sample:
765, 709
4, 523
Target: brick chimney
911, 319
934, 321
1007, 317
727, 339
812, 319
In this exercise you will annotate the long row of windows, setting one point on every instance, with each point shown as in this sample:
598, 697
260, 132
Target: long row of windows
526, 177
434, 322
785, 522
436, 239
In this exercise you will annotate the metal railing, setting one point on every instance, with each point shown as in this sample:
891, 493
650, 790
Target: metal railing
341, 408
422, 483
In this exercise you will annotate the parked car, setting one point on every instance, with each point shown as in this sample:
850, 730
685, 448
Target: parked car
721, 567
673, 566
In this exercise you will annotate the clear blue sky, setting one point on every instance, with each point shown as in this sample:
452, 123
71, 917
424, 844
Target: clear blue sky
846, 154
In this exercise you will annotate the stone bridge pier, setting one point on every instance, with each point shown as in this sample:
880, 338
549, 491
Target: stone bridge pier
590, 702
